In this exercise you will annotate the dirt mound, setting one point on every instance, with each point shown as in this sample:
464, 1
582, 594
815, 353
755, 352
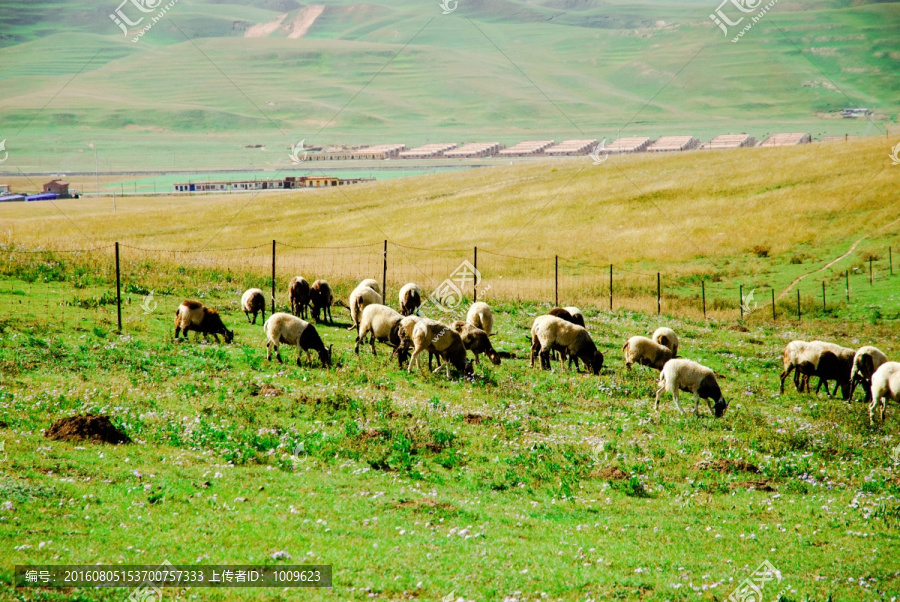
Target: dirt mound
86, 427
473, 418
757, 485
425, 503
725, 466
738, 328
265, 390
610, 473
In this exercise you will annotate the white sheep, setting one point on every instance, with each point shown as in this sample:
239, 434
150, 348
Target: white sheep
553, 333
253, 301
382, 323
284, 329
885, 385
667, 338
684, 375
644, 352
794, 359
439, 339
371, 283
410, 299
865, 362
359, 299
481, 316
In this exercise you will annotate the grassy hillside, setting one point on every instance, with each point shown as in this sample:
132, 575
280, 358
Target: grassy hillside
386, 73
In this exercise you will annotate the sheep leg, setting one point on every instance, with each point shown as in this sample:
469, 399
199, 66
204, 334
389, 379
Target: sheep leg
872, 412
659, 390
535, 349
784, 375
372, 340
413, 358
269, 351
677, 402
278, 353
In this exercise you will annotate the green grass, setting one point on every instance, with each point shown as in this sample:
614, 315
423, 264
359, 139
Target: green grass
393, 466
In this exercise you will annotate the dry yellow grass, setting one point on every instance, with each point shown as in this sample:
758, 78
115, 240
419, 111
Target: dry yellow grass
659, 211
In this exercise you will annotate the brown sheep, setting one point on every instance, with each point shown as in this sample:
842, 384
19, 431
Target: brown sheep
476, 341
253, 302
193, 315
298, 293
321, 298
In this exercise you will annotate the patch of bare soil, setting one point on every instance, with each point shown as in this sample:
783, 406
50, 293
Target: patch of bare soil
86, 428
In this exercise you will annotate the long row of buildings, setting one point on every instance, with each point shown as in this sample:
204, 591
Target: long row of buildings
288, 183
551, 148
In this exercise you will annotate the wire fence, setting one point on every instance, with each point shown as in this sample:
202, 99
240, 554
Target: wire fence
136, 271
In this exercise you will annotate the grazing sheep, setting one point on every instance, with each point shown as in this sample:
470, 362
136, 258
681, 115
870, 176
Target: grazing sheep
371, 283
481, 316
382, 323
577, 316
684, 375
885, 385
865, 362
837, 368
667, 338
359, 299
439, 339
410, 299
285, 329
552, 333
407, 324
193, 315
321, 298
252, 302
476, 340
298, 293
644, 352
794, 360
563, 314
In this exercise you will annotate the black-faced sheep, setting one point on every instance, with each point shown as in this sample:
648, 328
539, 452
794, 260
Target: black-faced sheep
284, 329
253, 301
552, 333
193, 315
298, 293
576, 314
321, 298
684, 375
441, 340
667, 338
382, 323
885, 385
361, 297
866, 361
476, 340
410, 299
481, 316
644, 352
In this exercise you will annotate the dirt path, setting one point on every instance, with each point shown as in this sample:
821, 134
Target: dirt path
832, 262
305, 19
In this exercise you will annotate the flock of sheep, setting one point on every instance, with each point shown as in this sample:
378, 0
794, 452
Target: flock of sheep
562, 331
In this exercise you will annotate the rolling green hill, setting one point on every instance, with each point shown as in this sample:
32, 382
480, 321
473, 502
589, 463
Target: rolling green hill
194, 91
